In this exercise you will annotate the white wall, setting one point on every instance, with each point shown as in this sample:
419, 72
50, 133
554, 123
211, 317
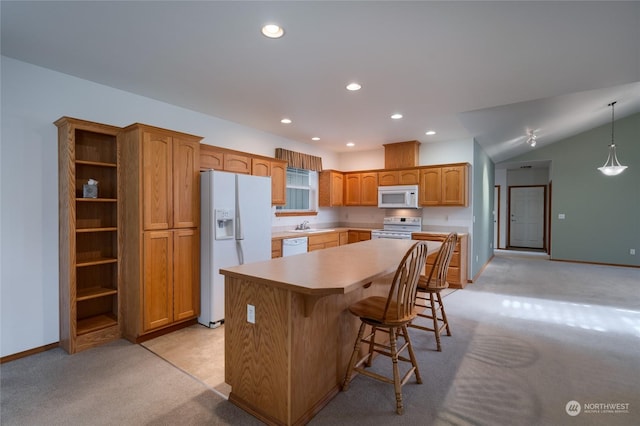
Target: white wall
32, 99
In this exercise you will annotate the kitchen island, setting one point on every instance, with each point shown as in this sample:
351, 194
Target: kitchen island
288, 363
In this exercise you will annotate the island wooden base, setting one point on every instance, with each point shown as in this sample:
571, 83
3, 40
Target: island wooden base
287, 366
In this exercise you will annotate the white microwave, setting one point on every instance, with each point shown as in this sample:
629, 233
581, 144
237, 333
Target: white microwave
398, 197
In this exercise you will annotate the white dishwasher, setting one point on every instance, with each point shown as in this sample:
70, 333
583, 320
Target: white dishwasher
291, 246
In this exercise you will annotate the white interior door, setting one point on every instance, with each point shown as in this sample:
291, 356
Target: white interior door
496, 215
526, 210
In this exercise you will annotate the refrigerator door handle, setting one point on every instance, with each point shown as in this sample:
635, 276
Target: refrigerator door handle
240, 252
239, 234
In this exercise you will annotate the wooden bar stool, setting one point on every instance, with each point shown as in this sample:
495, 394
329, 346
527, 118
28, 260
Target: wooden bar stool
428, 297
391, 315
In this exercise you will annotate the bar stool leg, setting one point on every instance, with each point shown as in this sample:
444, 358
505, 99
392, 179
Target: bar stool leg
444, 314
354, 358
412, 355
396, 372
372, 340
436, 326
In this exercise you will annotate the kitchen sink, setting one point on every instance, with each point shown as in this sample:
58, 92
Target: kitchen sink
312, 230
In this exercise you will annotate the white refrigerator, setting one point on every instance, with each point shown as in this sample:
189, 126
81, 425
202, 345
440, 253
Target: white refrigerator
235, 229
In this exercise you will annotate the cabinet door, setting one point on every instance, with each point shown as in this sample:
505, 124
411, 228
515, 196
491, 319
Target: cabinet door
157, 180
186, 274
237, 163
430, 186
276, 249
454, 186
278, 183
157, 304
352, 189
388, 178
210, 158
337, 189
409, 177
357, 236
186, 183
369, 189
330, 189
260, 167
344, 238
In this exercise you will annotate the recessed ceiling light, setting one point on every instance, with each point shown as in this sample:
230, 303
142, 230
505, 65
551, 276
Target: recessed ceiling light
286, 121
430, 133
396, 116
354, 86
272, 31
351, 144
315, 138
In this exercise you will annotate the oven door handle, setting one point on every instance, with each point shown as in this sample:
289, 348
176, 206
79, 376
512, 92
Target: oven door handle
392, 237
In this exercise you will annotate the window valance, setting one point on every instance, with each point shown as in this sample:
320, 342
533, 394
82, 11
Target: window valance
299, 160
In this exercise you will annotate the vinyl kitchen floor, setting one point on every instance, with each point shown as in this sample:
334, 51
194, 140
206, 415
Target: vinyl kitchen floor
198, 351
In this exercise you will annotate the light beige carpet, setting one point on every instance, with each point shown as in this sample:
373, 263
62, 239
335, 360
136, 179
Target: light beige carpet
198, 351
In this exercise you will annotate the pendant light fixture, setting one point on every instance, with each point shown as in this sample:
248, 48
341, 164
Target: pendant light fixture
531, 140
612, 167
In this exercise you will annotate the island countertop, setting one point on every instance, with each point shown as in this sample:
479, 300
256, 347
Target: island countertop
336, 270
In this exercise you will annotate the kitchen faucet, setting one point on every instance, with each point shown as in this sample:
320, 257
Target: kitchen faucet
303, 225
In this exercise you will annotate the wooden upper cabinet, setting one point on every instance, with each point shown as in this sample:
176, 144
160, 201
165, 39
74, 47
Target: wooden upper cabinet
455, 190
444, 185
260, 167
401, 154
211, 158
352, 189
330, 188
161, 177
361, 189
369, 189
186, 183
430, 186
388, 177
157, 178
228, 160
278, 183
399, 177
409, 177
237, 163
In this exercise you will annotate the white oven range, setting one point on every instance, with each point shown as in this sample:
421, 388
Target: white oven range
397, 227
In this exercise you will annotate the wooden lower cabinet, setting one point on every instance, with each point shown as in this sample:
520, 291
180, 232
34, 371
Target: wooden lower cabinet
457, 273
344, 237
324, 240
276, 248
171, 278
357, 236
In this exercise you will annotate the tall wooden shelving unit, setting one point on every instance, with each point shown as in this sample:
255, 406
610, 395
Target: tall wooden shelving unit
88, 241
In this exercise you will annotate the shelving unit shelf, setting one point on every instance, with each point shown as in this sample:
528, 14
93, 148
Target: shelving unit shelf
89, 253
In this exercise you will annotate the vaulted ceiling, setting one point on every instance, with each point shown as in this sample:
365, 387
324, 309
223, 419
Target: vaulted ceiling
486, 70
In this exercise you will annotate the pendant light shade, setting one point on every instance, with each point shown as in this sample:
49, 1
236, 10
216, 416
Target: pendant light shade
612, 167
